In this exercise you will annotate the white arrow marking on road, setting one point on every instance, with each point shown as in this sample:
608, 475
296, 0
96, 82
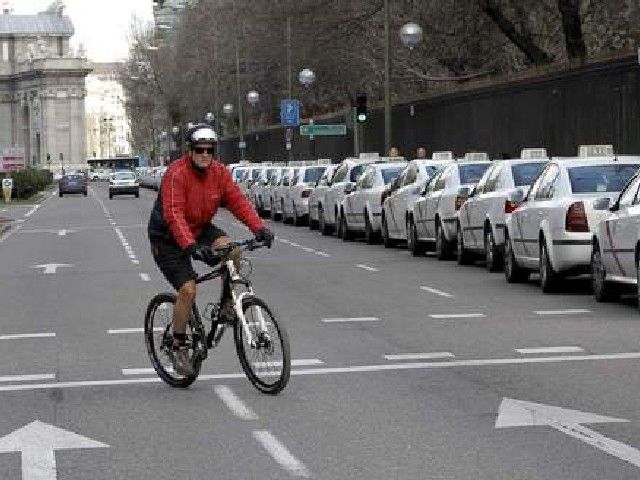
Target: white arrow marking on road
50, 268
38, 442
518, 413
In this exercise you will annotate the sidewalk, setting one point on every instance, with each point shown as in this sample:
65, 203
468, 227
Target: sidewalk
10, 212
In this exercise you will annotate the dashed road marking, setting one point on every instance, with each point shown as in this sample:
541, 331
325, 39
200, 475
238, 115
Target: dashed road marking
301, 362
27, 378
281, 454
323, 254
456, 315
435, 291
569, 311
367, 267
350, 319
419, 356
568, 349
234, 403
26, 335
132, 330
145, 277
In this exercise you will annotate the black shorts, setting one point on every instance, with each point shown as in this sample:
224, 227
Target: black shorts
175, 263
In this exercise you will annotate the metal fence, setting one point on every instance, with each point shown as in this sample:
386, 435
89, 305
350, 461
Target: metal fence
592, 104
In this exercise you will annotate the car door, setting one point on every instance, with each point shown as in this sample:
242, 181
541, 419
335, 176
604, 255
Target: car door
354, 202
483, 202
393, 204
469, 212
621, 233
520, 215
402, 197
433, 200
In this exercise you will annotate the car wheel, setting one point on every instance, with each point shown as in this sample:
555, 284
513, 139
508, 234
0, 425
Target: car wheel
344, 230
512, 272
369, 235
602, 290
548, 277
137, 194
272, 212
637, 282
416, 247
324, 228
491, 254
110, 196
296, 218
60, 194
386, 240
442, 247
462, 255
84, 193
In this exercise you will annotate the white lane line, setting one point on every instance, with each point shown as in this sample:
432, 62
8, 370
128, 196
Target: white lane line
32, 211
301, 362
367, 267
280, 454
145, 277
293, 244
322, 254
338, 370
135, 262
569, 311
568, 349
141, 371
27, 378
419, 356
436, 291
457, 315
133, 330
27, 335
352, 319
307, 249
233, 403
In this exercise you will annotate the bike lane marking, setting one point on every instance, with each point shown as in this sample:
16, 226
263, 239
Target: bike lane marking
16, 336
234, 403
281, 454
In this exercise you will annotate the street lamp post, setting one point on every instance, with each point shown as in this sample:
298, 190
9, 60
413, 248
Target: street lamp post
306, 77
411, 35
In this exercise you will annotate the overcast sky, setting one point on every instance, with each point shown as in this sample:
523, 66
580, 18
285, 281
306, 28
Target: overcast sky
101, 25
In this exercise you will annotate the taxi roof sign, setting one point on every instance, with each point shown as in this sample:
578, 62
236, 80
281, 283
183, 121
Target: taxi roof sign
476, 156
585, 151
442, 156
369, 155
533, 153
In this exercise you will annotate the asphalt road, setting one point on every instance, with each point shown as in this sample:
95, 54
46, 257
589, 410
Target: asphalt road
401, 364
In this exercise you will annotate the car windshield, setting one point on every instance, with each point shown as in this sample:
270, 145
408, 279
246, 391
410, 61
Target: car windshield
74, 177
356, 172
125, 176
237, 174
311, 175
525, 173
430, 170
390, 174
600, 178
255, 175
472, 172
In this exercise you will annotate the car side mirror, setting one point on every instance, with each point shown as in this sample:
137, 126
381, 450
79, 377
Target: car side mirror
349, 188
603, 204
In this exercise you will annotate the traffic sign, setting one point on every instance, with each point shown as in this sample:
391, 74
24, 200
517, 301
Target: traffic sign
7, 183
330, 129
290, 113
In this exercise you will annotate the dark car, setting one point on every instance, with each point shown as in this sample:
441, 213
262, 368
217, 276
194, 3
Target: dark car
72, 183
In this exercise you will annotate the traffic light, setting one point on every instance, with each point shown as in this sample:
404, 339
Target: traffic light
361, 108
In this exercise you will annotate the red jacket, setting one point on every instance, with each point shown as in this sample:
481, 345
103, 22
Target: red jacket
188, 201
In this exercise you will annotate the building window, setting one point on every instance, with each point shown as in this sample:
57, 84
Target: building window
60, 46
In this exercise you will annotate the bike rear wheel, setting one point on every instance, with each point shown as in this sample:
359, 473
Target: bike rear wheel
267, 359
159, 340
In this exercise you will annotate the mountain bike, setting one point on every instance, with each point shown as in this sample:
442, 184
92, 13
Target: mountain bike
261, 341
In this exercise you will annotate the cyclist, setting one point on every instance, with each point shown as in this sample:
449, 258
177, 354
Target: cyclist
180, 228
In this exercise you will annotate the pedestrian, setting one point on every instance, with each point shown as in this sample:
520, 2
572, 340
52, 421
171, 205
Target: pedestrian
421, 153
393, 152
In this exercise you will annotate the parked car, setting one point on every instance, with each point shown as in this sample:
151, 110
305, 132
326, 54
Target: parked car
317, 195
405, 189
123, 183
296, 197
361, 208
550, 231
433, 216
278, 192
481, 219
615, 257
72, 183
347, 174
260, 187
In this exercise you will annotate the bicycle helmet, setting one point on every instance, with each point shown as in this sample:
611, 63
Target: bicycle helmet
201, 133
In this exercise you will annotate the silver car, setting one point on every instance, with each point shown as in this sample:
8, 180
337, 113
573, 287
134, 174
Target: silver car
616, 243
550, 231
433, 217
278, 192
481, 219
317, 195
408, 186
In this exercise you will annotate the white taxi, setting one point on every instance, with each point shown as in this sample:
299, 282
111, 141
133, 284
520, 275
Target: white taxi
432, 219
260, 189
296, 201
361, 208
346, 175
405, 192
481, 218
550, 231
278, 192
616, 243
317, 195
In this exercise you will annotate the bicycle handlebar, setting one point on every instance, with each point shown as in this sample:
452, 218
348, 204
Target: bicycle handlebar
220, 253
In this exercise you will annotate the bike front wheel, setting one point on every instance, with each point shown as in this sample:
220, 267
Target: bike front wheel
265, 355
159, 340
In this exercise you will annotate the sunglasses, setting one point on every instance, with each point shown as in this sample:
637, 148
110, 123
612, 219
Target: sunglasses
201, 150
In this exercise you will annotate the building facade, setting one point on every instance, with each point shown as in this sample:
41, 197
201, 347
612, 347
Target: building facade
107, 123
42, 89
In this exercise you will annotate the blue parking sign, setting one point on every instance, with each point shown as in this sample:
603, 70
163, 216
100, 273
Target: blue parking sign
290, 113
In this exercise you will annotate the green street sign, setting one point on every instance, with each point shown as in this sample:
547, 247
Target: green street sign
331, 129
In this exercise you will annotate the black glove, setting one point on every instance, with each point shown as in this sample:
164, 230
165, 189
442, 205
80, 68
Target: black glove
202, 254
264, 235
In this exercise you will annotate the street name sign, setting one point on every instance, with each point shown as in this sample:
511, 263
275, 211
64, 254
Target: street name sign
330, 129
